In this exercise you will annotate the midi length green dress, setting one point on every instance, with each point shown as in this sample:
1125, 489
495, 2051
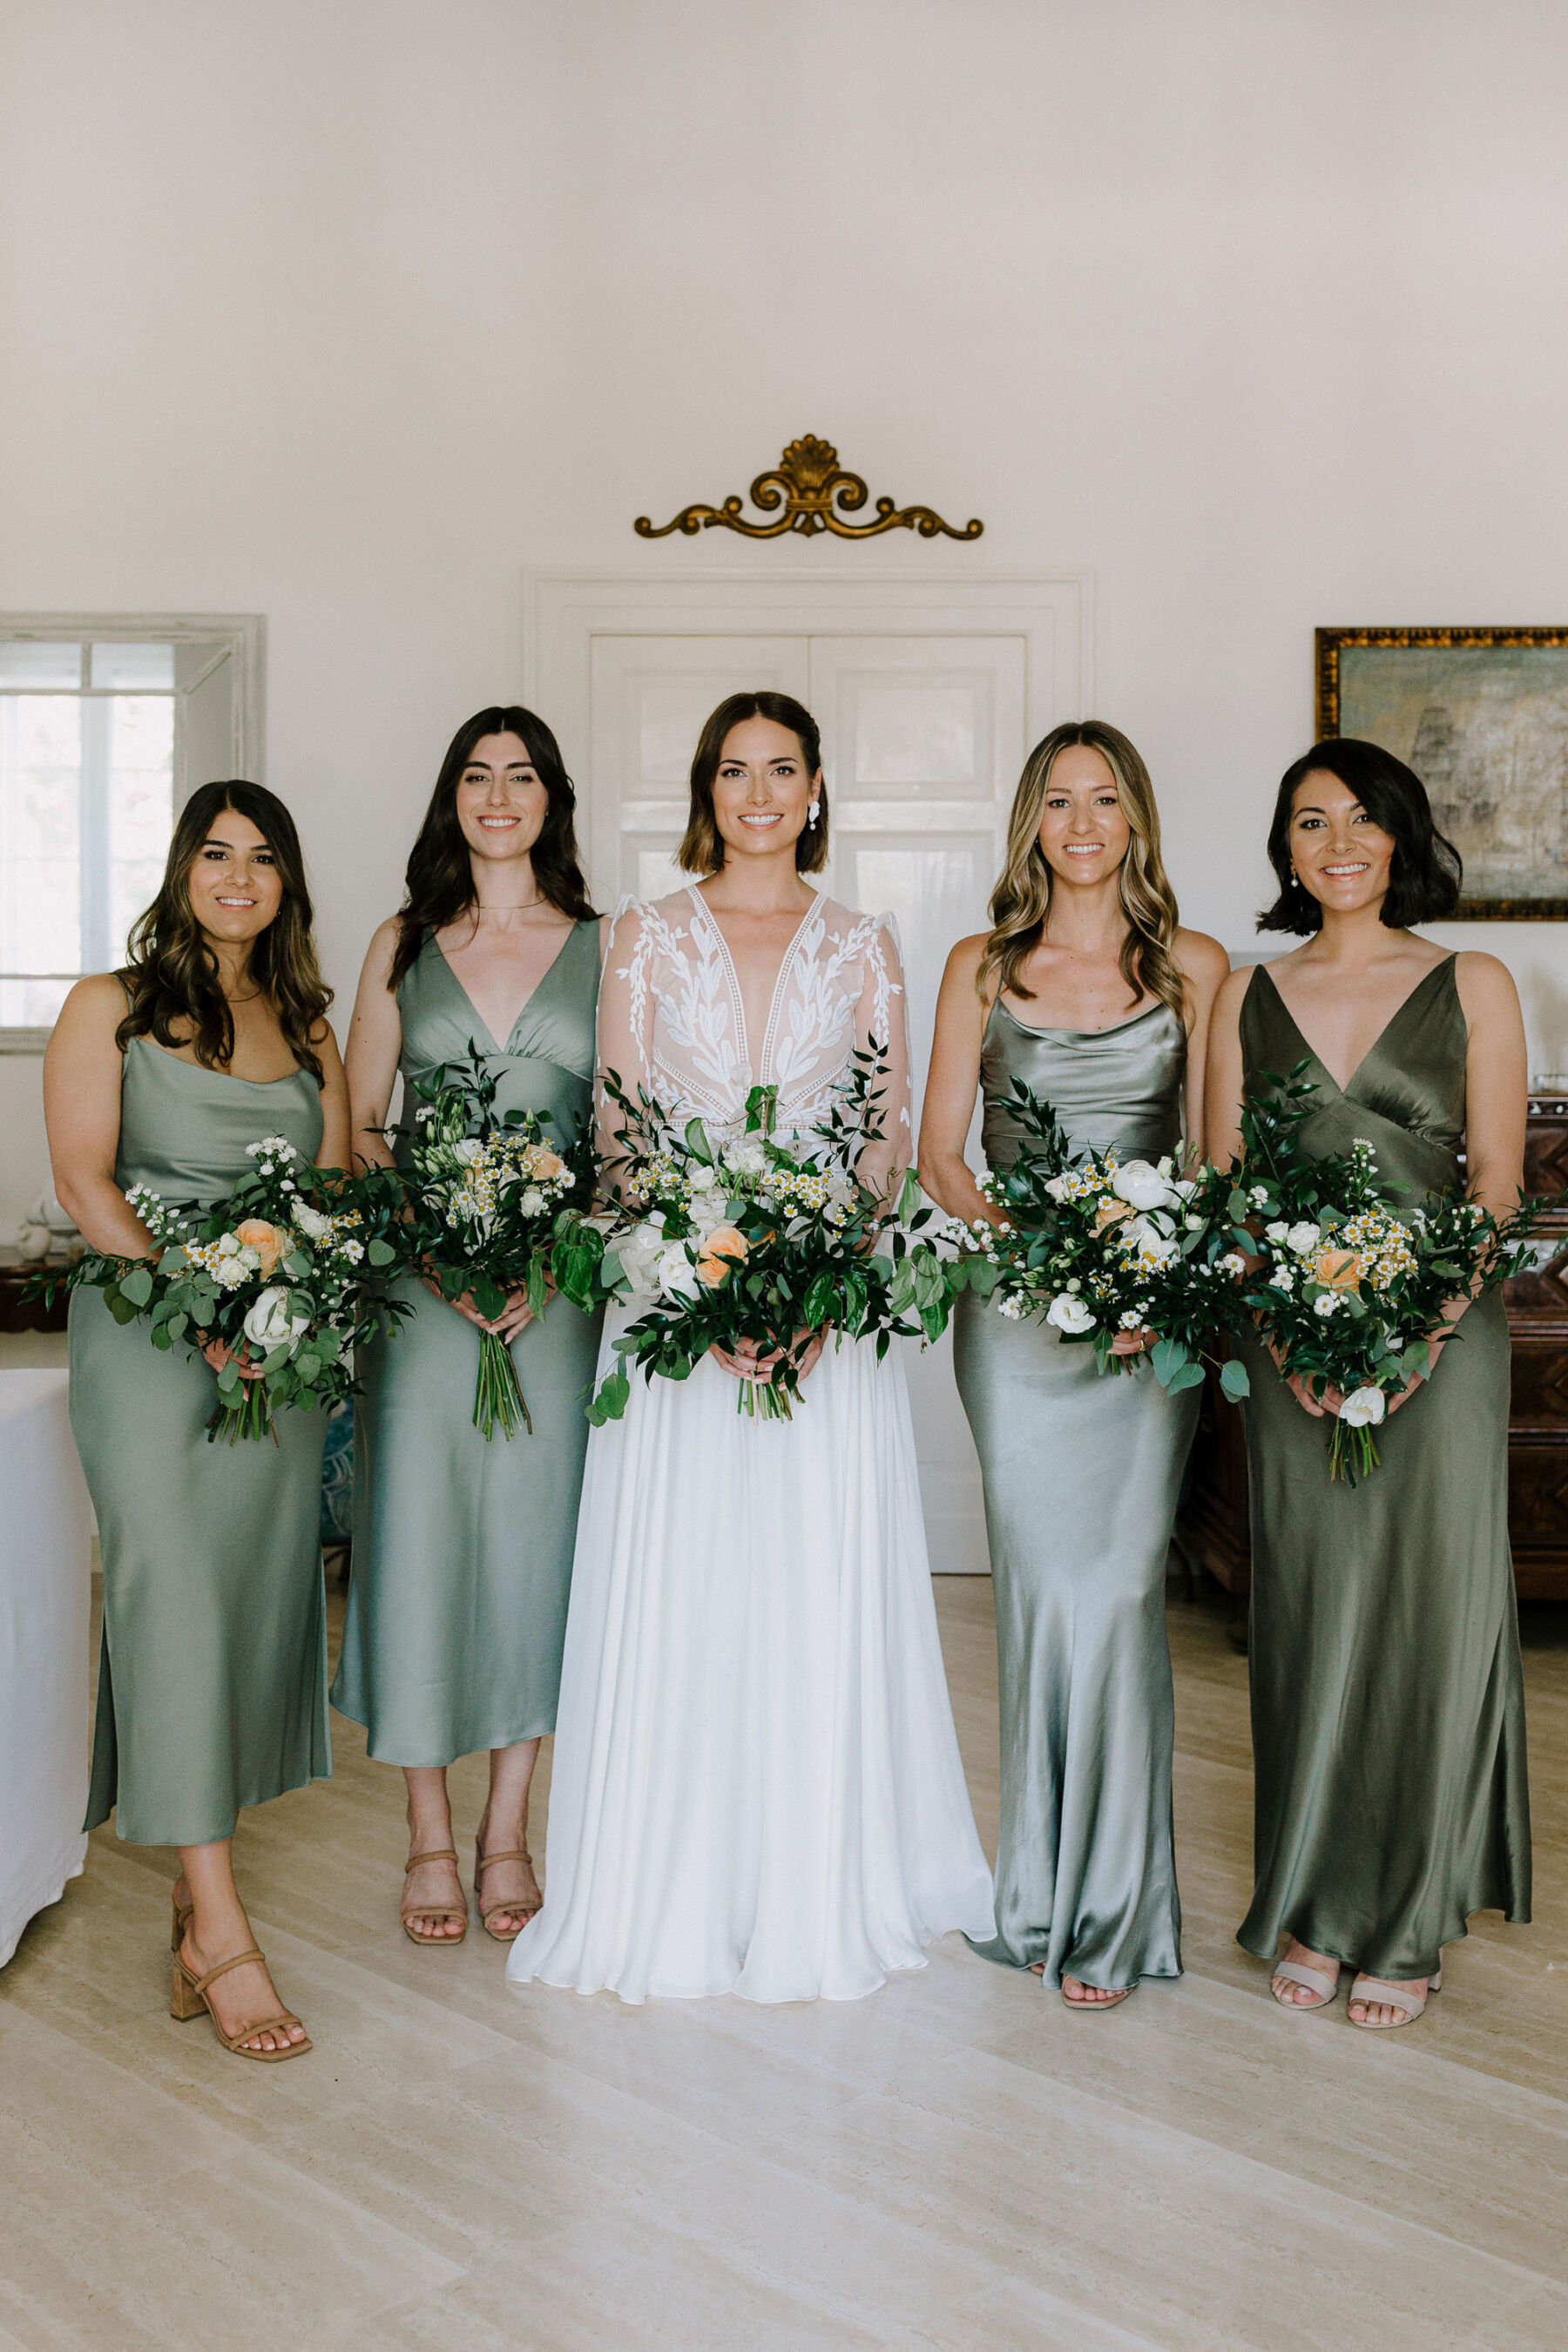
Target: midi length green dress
1082, 1475
1388, 1705
462, 1549
212, 1691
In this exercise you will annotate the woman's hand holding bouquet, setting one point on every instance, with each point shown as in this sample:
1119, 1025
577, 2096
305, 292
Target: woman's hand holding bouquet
755, 1251
1354, 1293
492, 1204
275, 1285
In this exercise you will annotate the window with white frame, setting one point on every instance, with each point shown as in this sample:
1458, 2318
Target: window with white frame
105, 728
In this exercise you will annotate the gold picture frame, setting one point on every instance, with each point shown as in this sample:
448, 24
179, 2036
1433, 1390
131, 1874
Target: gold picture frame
1481, 715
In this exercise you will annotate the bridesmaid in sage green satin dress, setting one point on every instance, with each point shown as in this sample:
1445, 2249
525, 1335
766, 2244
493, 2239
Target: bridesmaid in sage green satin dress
212, 1682
462, 1547
1087, 991
1387, 1701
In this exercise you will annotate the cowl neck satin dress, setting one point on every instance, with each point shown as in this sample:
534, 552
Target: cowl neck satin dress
1388, 1705
212, 1691
462, 1549
1082, 1475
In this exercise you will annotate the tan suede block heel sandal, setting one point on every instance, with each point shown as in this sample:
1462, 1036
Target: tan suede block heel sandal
483, 1862
433, 1910
189, 1998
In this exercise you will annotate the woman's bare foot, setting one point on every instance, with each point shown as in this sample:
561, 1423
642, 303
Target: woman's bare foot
1079, 1995
1300, 1996
1383, 2012
239, 1997
429, 1892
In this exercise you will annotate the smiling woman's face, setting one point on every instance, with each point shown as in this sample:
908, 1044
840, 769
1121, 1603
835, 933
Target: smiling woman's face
1083, 834
763, 791
501, 799
1343, 857
235, 888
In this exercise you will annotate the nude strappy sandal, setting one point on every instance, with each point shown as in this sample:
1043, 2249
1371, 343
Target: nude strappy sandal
183, 1914
1398, 1997
1316, 1981
1118, 1994
483, 1862
433, 1910
189, 1997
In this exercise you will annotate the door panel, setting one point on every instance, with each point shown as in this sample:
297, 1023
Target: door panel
650, 696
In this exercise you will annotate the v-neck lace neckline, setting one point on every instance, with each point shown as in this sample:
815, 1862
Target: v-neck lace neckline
1397, 1014
540, 982
742, 1029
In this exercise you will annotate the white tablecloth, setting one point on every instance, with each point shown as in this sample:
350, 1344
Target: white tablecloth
45, 1591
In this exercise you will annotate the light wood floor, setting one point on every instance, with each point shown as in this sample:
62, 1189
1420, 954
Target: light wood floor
955, 2162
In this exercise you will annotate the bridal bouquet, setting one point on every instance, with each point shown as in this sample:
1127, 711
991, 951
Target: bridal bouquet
285, 1273
1100, 1244
723, 1239
493, 1207
1346, 1284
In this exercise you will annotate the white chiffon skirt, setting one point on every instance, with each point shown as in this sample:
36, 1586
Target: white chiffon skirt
757, 1785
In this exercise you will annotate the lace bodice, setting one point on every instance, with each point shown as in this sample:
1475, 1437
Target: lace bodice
671, 1019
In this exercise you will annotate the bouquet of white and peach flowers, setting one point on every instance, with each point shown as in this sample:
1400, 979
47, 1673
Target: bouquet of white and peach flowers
1098, 1245
494, 1211
284, 1276
745, 1241
1347, 1281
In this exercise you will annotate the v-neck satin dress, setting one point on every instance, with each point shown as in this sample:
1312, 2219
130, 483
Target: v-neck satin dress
212, 1691
1388, 1705
1082, 1475
462, 1549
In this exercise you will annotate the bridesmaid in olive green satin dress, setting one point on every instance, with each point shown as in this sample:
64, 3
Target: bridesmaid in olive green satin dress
1388, 1705
212, 1684
1087, 991
462, 1547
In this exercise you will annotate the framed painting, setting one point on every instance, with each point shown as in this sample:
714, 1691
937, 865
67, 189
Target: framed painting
1481, 715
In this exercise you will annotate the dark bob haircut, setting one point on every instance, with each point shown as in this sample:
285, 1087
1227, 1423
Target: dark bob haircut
1425, 876
440, 879
702, 849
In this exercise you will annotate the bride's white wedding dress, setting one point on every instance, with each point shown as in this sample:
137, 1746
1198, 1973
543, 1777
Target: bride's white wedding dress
757, 1785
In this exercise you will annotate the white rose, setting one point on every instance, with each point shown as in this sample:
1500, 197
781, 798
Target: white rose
675, 1271
1057, 1187
270, 1322
1362, 1405
534, 1203
1069, 1314
1277, 1232
1302, 1238
703, 1180
310, 1222
746, 1158
1141, 1186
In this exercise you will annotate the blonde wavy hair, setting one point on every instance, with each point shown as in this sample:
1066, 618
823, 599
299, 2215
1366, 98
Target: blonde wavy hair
1021, 902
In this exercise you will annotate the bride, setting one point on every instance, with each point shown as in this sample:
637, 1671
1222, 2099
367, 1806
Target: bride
757, 1785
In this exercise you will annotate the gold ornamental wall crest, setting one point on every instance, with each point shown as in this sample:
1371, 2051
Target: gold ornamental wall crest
815, 493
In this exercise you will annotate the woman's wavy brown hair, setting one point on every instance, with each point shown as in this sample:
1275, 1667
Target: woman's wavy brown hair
171, 973
439, 877
1021, 902
702, 848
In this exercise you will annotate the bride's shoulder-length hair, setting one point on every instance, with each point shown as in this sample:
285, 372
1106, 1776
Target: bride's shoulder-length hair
702, 849
1022, 899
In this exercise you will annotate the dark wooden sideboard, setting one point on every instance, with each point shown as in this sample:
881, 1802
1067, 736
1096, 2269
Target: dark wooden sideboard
1214, 1521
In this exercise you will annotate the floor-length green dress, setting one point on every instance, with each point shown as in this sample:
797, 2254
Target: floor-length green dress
212, 1683
1387, 1706
1082, 1475
462, 1547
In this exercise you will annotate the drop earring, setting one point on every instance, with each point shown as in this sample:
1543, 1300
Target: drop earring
812, 814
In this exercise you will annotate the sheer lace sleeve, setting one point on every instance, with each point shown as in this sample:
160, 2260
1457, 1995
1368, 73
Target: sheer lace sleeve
626, 1024
881, 1022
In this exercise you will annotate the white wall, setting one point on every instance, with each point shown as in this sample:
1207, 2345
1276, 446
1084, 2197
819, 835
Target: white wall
348, 311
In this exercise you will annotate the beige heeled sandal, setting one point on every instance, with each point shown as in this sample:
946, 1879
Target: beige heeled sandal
483, 1862
1316, 1981
1117, 1995
189, 1997
432, 1910
183, 1914
1400, 1997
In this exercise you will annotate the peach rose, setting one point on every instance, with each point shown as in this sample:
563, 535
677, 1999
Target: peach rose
1110, 1212
265, 1240
725, 1248
542, 1161
1337, 1269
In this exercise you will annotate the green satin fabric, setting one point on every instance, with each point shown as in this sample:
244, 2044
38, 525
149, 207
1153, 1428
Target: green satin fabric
1081, 1478
212, 1683
462, 1550
1387, 1706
